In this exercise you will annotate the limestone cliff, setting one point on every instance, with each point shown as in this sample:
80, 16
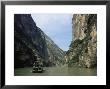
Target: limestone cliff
55, 54
83, 48
31, 43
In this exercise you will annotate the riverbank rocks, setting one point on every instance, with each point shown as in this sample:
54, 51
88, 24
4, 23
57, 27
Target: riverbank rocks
83, 48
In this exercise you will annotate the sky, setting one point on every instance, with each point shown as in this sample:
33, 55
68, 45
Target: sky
57, 26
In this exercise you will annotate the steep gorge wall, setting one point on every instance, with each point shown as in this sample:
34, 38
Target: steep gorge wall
83, 48
55, 54
31, 43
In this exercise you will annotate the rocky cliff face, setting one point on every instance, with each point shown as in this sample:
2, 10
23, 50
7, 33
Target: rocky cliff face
55, 54
83, 48
31, 43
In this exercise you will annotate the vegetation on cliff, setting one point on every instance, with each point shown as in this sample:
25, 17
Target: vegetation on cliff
31, 43
83, 48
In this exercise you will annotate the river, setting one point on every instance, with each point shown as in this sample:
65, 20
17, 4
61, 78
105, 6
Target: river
57, 71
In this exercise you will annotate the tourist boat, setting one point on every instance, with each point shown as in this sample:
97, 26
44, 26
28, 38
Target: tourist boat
38, 70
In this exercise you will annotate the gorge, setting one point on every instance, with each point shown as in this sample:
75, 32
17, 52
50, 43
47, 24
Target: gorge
31, 43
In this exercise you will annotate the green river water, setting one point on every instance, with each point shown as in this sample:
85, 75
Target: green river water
57, 71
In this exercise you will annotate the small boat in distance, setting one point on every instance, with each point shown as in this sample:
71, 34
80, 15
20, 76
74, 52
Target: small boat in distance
37, 67
38, 70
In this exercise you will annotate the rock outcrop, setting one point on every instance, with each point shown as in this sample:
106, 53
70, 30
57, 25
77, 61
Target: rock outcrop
83, 48
31, 43
55, 54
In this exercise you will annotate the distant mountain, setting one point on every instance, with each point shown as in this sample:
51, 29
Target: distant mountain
55, 54
31, 43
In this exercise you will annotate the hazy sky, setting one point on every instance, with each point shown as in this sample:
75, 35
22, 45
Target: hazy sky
57, 26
